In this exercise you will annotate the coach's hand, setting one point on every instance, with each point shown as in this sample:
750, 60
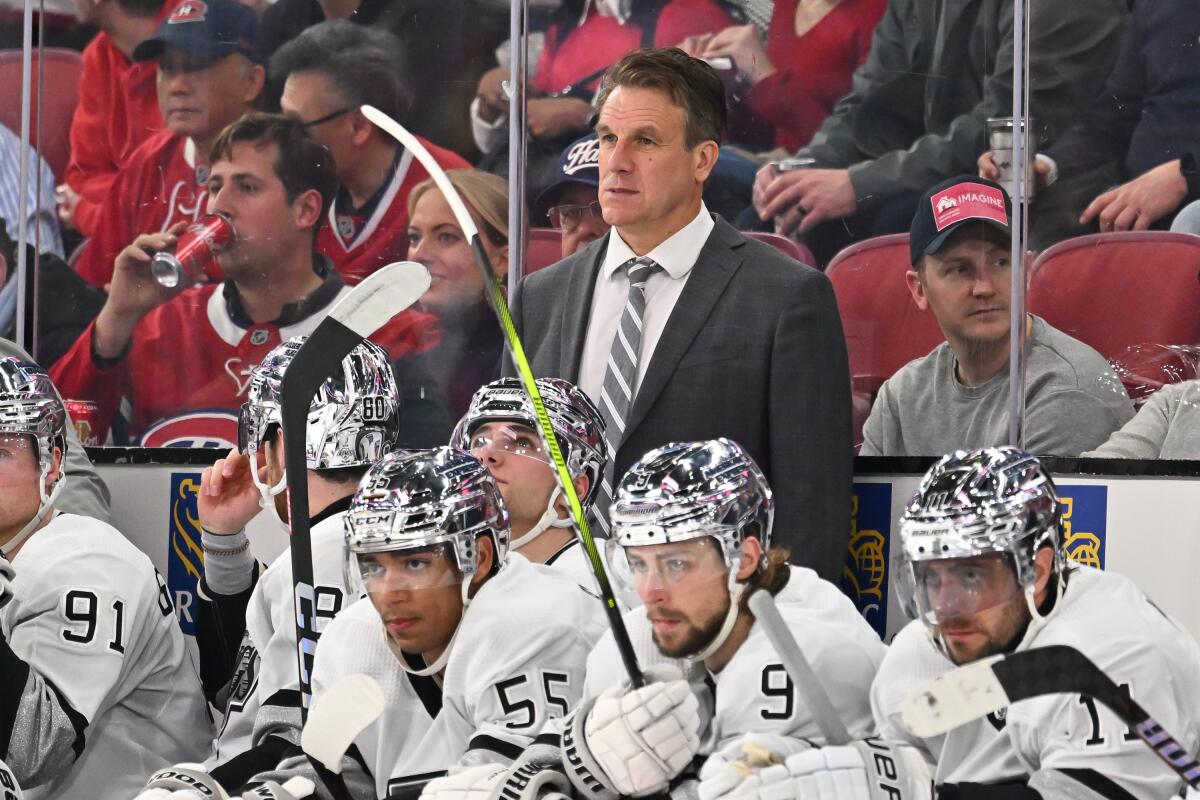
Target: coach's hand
133, 292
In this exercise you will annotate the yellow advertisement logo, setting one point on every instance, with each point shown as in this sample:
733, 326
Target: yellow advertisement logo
1081, 546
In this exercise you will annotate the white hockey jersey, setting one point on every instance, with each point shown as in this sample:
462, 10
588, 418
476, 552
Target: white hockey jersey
753, 693
267, 657
517, 661
92, 618
1111, 621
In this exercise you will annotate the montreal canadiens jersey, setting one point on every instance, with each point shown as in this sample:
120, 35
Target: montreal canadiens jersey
266, 664
517, 661
91, 616
1107, 618
753, 693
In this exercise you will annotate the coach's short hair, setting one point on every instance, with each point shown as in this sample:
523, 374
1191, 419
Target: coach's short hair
691, 84
365, 64
302, 162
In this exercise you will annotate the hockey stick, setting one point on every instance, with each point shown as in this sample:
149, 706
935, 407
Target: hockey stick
414, 146
343, 712
978, 689
365, 309
797, 666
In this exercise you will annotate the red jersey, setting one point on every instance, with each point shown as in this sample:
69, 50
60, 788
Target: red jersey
162, 183
117, 111
188, 367
360, 244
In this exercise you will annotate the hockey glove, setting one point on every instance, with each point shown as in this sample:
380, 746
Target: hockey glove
633, 742
182, 782
523, 781
730, 765
870, 769
295, 788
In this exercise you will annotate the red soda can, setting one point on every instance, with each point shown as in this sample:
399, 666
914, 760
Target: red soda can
196, 246
83, 415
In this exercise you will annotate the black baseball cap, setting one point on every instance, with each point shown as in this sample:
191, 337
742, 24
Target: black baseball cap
578, 163
952, 204
207, 29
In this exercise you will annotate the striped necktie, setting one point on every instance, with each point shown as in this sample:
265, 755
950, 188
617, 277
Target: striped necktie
620, 375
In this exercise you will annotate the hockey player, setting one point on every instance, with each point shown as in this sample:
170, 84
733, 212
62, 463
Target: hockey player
475, 648
692, 533
96, 674
353, 420
183, 359
500, 429
983, 572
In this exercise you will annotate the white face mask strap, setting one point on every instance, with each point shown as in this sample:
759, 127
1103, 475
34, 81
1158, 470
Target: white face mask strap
549, 519
735, 604
46, 507
436, 666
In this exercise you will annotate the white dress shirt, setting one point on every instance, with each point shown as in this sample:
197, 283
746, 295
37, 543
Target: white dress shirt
677, 255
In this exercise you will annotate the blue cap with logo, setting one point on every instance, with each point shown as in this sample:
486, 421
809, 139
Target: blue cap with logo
579, 163
206, 29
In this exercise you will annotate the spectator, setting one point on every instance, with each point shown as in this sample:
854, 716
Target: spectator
183, 359
572, 202
38, 205
1141, 128
957, 397
792, 83
118, 107
468, 353
583, 41
1166, 427
331, 69
728, 336
208, 76
918, 107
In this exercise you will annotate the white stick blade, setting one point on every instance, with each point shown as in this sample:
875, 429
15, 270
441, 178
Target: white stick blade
954, 699
341, 713
382, 295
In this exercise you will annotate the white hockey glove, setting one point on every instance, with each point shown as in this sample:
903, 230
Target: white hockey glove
633, 742
297, 787
526, 781
870, 769
9, 789
182, 782
730, 765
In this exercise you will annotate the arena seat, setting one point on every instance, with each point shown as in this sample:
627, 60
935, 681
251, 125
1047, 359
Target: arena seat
60, 84
1127, 294
543, 246
789, 247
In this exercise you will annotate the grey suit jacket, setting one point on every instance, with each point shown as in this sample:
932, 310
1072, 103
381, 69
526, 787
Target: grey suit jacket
752, 351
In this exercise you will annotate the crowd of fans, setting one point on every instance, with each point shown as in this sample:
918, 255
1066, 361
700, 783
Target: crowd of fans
841, 116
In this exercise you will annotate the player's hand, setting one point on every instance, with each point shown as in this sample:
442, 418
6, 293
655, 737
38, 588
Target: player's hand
804, 198
68, 201
744, 45
551, 117
864, 770
133, 291
182, 782
493, 102
1136, 205
730, 765
294, 788
522, 781
9, 789
228, 498
642, 738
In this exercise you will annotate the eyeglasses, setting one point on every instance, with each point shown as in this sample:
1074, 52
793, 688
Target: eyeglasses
568, 218
327, 117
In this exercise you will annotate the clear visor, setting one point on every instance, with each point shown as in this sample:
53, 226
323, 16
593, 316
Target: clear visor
508, 439
690, 565
18, 459
946, 591
407, 570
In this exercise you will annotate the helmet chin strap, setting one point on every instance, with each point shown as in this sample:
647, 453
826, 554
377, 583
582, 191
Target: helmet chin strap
549, 519
441, 660
47, 506
267, 494
735, 602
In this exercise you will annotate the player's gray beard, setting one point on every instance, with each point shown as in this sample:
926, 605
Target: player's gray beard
699, 637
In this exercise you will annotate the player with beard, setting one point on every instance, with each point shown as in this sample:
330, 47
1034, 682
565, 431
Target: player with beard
692, 536
982, 570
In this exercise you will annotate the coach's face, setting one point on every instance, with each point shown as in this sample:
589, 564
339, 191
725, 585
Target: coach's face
651, 182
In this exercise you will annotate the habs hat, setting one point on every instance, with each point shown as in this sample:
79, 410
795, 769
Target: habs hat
579, 163
207, 29
953, 203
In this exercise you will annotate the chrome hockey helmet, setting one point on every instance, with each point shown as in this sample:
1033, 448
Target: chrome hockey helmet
576, 421
353, 420
30, 406
689, 491
997, 500
421, 500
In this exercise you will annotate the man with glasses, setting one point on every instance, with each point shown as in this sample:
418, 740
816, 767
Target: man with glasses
330, 70
572, 201
208, 76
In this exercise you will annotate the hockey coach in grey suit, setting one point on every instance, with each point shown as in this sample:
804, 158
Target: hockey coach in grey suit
680, 328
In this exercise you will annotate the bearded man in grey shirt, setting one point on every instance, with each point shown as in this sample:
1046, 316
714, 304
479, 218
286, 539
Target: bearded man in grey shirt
957, 396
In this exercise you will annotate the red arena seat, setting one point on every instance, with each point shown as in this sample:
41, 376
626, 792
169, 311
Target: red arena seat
543, 246
789, 247
60, 87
